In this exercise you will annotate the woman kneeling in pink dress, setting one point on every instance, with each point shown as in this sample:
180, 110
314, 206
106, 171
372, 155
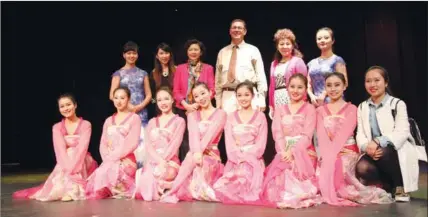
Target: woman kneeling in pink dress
290, 180
71, 139
336, 122
202, 164
246, 136
163, 137
120, 137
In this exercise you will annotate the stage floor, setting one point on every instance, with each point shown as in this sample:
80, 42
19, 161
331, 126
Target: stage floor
128, 208
116, 208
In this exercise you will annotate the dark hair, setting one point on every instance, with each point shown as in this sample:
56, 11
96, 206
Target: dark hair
158, 66
299, 76
384, 73
329, 30
164, 88
130, 46
169, 91
248, 84
200, 83
238, 20
195, 41
337, 74
69, 96
124, 89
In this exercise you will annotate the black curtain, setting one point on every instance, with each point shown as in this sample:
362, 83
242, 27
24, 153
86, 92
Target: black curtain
52, 47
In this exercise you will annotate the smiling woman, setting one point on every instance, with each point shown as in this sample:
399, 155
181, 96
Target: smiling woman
120, 137
137, 81
185, 78
71, 139
287, 62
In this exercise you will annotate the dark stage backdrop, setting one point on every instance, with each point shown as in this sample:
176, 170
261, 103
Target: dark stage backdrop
50, 48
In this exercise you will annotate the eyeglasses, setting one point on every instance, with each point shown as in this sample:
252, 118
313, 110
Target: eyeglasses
237, 27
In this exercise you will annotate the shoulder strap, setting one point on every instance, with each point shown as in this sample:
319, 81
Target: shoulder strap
394, 109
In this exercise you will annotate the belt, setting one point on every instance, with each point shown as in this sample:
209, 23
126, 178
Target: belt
279, 88
228, 89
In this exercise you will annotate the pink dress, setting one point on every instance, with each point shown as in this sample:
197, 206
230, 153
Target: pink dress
193, 181
162, 143
74, 165
293, 184
115, 176
242, 180
339, 155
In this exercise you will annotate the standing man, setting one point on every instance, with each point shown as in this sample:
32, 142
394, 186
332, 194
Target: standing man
236, 63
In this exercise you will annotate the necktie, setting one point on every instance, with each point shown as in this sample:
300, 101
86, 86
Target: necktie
232, 65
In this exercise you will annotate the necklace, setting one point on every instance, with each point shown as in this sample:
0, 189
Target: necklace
165, 74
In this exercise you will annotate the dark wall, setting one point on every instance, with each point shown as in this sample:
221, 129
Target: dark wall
49, 48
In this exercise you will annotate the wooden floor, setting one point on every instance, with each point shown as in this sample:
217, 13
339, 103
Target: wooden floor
128, 208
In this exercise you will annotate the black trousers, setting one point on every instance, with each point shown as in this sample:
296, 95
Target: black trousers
386, 170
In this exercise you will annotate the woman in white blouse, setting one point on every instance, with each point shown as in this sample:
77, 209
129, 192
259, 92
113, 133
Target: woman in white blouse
389, 158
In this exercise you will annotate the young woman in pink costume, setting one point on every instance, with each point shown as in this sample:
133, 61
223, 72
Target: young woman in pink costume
120, 137
164, 135
202, 164
339, 153
71, 139
290, 178
246, 136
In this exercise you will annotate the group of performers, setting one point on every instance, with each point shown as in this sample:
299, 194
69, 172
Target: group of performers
174, 156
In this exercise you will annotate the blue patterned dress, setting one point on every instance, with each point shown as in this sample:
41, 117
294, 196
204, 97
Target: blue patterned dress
318, 69
133, 79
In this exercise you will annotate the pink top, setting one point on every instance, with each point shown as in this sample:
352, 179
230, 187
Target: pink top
79, 139
205, 133
245, 141
120, 139
181, 77
333, 132
302, 124
296, 65
163, 142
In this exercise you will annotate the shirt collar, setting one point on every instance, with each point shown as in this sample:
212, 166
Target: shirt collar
385, 98
239, 45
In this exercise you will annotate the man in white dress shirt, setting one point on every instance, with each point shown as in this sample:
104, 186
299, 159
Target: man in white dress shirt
236, 63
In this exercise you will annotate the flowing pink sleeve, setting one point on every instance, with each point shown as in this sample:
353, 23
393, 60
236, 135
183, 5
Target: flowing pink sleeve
178, 88
214, 129
103, 143
60, 148
301, 157
211, 80
82, 147
232, 150
308, 129
301, 67
175, 142
348, 127
261, 139
149, 147
277, 132
331, 175
192, 126
131, 140
323, 140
